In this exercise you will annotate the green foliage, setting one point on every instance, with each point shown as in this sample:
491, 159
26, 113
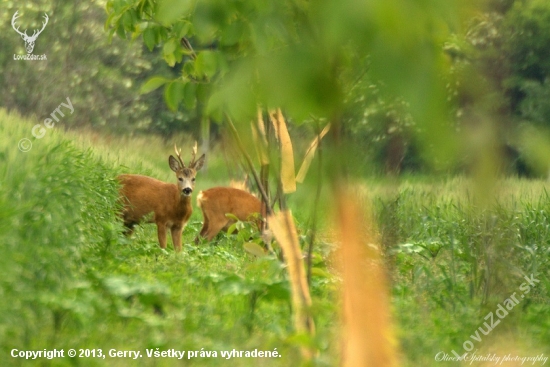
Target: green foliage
383, 127
527, 34
452, 262
509, 46
498, 83
527, 27
305, 59
56, 200
101, 77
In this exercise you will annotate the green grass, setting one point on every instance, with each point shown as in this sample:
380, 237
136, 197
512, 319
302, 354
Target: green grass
69, 279
454, 258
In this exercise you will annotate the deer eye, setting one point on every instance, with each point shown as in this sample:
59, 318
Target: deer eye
180, 179
193, 179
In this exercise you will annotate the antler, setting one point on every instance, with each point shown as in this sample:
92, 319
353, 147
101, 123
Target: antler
25, 35
178, 154
35, 34
17, 29
192, 162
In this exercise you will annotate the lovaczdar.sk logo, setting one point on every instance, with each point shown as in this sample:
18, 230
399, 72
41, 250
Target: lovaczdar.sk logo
29, 40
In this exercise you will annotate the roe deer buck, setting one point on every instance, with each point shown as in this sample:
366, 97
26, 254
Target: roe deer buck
218, 201
169, 203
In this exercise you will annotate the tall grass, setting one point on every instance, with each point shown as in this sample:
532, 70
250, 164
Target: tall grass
453, 259
55, 201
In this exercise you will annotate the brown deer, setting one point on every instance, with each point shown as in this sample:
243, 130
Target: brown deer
216, 202
169, 203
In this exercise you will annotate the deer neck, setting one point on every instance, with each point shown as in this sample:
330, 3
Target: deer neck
184, 203
185, 199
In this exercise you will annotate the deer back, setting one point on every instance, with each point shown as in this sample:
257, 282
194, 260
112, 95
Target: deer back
218, 201
142, 195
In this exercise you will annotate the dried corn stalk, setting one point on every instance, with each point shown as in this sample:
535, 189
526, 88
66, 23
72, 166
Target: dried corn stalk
368, 338
310, 153
284, 230
288, 176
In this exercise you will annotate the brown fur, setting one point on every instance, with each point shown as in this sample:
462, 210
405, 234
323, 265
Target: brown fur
170, 204
218, 201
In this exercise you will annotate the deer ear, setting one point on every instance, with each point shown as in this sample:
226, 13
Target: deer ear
174, 164
199, 163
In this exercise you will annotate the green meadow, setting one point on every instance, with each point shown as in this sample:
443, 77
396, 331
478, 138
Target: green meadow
70, 279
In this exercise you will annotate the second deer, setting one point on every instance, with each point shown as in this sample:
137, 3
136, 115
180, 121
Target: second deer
169, 203
216, 202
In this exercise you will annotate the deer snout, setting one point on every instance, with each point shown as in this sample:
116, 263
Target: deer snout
187, 191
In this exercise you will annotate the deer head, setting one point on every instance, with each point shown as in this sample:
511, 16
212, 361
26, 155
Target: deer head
186, 175
29, 40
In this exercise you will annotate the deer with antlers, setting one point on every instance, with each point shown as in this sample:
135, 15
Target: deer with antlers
29, 40
169, 203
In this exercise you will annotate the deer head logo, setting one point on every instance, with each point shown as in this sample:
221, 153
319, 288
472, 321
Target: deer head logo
29, 40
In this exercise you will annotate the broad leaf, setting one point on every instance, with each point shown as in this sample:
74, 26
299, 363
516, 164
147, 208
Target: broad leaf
153, 84
149, 38
173, 94
254, 249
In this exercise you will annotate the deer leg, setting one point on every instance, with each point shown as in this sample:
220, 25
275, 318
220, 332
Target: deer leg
214, 227
129, 228
204, 228
128, 222
161, 229
176, 237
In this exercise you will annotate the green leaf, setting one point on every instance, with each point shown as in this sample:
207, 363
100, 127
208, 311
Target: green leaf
110, 35
188, 68
254, 249
169, 11
109, 20
128, 20
169, 46
149, 38
321, 273
120, 31
170, 59
173, 94
189, 95
232, 228
231, 216
182, 28
206, 64
203, 92
168, 51
152, 84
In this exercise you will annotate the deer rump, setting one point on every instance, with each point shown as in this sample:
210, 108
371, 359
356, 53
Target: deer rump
216, 202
